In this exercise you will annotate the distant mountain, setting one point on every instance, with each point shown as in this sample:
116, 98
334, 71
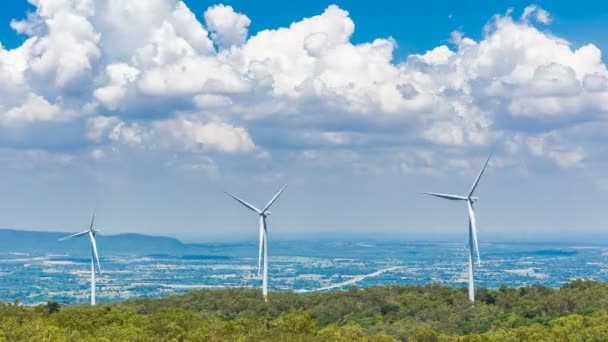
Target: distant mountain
21, 241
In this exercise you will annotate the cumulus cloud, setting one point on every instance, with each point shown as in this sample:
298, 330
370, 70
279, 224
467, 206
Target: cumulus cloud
119, 75
34, 108
64, 43
212, 135
537, 13
98, 127
228, 28
183, 133
444, 133
149, 74
130, 134
548, 146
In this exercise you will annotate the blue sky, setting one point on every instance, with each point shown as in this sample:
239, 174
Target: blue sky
358, 106
416, 28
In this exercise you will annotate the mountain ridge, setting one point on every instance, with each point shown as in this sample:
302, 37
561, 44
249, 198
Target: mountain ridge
46, 242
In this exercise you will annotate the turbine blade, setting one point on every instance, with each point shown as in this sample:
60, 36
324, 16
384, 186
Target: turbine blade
274, 198
447, 196
473, 227
94, 247
244, 203
92, 220
479, 176
261, 244
74, 235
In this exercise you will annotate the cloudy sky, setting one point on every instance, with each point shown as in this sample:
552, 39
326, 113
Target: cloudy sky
149, 110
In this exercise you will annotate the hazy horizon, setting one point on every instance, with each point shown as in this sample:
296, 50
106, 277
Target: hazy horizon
599, 239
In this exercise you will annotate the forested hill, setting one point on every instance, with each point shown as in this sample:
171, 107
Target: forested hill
37, 242
575, 312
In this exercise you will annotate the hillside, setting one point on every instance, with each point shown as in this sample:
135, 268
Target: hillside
575, 312
35, 242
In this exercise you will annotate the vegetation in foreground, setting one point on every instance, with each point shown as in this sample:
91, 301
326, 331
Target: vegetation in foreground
576, 312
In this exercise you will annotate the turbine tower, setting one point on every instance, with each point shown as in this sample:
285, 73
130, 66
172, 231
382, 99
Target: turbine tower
263, 239
94, 256
473, 244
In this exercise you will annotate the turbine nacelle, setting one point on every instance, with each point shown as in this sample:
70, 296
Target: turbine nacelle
473, 199
268, 213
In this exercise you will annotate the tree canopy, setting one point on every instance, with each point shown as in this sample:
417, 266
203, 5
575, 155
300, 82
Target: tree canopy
578, 311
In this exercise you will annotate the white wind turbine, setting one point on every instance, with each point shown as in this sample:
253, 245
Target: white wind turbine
94, 256
473, 244
263, 241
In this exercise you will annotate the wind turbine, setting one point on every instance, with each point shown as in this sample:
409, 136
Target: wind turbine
473, 244
263, 240
94, 256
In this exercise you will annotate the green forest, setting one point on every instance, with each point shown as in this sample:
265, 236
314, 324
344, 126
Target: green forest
578, 311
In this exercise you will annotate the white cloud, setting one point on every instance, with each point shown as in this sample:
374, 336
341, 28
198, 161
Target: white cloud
130, 134
64, 41
212, 101
537, 13
437, 56
129, 25
179, 133
177, 79
99, 126
187, 26
316, 44
13, 64
34, 109
227, 27
444, 133
552, 79
119, 76
548, 146
595, 82
213, 135
282, 52
147, 74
